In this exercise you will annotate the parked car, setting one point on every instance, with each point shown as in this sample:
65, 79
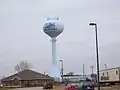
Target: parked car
48, 86
70, 86
1, 85
86, 85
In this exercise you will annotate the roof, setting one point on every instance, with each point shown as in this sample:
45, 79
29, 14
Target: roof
27, 75
110, 69
75, 75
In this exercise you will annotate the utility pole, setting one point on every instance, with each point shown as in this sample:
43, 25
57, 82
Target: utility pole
105, 66
92, 67
44, 73
83, 71
61, 69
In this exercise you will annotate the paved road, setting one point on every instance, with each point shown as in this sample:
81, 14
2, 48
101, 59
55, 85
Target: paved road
61, 87
32, 88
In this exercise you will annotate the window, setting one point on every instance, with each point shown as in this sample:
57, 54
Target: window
116, 72
107, 73
101, 77
103, 74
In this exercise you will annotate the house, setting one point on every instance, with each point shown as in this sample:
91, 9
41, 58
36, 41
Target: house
26, 78
110, 75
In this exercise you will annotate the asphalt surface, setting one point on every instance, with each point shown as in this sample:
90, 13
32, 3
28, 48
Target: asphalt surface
32, 88
60, 87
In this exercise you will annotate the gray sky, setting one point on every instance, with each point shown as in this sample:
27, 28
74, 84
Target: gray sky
22, 37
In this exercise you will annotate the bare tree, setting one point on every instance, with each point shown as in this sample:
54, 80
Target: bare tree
23, 65
17, 68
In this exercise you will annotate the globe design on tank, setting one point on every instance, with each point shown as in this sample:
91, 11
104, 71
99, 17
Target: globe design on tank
53, 28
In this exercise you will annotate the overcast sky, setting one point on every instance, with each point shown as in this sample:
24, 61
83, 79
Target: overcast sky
22, 37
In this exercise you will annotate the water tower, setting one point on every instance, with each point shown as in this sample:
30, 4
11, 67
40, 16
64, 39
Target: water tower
53, 28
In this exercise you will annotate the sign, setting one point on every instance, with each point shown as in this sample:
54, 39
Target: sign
104, 77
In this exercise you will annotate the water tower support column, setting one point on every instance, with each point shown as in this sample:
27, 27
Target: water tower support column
54, 63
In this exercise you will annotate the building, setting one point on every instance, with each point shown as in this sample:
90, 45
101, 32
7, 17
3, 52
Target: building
75, 78
111, 75
26, 78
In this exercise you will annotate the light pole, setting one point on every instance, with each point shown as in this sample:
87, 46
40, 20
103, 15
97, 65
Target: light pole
61, 69
97, 55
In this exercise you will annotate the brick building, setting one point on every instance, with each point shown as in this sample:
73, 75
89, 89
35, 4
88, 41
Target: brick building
26, 78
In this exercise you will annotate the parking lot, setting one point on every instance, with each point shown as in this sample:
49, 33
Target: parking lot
61, 87
33, 88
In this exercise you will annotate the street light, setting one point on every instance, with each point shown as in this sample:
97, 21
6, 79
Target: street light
61, 69
97, 56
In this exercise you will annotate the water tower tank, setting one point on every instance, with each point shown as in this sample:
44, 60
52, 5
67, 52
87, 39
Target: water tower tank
53, 27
